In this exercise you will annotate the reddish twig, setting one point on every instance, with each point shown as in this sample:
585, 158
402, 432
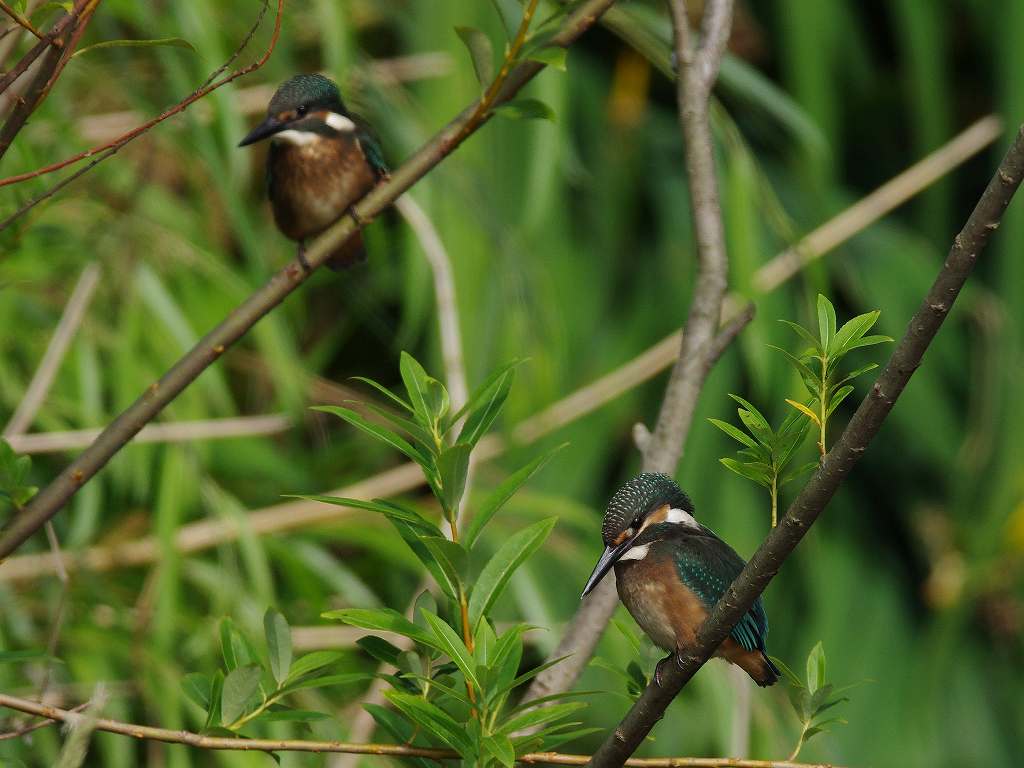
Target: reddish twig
58, 53
103, 151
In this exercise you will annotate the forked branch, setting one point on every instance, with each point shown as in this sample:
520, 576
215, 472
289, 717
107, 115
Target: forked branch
835, 466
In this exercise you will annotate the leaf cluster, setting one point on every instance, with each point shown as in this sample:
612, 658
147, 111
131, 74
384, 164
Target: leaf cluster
818, 363
766, 452
252, 685
812, 697
536, 46
456, 684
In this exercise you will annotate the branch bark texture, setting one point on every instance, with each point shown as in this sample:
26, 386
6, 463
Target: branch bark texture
399, 750
835, 466
209, 349
698, 67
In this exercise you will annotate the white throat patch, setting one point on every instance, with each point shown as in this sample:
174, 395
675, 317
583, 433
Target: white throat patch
339, 122
636, 553
298, 138
681, 517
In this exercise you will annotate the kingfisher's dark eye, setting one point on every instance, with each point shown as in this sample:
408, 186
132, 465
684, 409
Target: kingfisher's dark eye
301, 111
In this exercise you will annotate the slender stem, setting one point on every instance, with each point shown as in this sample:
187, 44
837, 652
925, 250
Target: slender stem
20, 20
491, 94
775, 499
822, 402
169, 736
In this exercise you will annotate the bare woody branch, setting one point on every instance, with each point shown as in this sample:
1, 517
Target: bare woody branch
835, 466
399, 750
209, 349
59, 49
661, 449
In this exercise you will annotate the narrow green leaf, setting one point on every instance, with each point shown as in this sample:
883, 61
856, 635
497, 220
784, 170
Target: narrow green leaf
805, 410
500, 495
758, 475
526, 109
452, 468
172, 42
241, 688
482, 393
279, 644
787, 672
375, 431
485, 409
449, 642
502, 565
411, 428
386, 392
815, 668
427, 395
383, 619
826, 321
311, 662
837, 398
196, 687
798, 471
20, 656
868, 341
500, 748
805, 334
541, 716
216, 692
851, 331
324, 681
392, 510
293, 716
853, 375
480, 52
380, 649
734, 433
452, 559
433, 719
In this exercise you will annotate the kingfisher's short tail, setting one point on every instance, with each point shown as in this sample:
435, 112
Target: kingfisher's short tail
771, 673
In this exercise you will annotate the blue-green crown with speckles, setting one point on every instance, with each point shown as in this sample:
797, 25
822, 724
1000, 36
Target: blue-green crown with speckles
308, 90
645, 492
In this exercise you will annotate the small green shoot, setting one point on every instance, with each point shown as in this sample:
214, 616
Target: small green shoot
766, 453
818, 363
812, 698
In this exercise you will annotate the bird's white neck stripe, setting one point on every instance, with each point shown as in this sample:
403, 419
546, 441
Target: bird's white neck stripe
636, 553
298, 138
681, 517
339, 122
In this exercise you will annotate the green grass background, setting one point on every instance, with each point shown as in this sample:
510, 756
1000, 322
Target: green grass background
571, 246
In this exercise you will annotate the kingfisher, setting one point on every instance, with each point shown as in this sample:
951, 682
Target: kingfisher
670, 571
322, 160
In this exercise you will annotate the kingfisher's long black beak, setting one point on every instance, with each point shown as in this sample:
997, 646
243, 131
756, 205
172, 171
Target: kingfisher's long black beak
264, 130
610, 556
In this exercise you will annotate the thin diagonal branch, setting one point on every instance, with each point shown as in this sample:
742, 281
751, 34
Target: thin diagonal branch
664, 446
834, 468
209, 349
56, 57
36, 51
169, 736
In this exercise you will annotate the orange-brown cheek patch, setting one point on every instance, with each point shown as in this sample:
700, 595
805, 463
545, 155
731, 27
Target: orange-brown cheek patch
622, 536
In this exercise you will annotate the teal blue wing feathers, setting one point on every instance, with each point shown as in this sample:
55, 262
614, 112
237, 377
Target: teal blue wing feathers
707, 565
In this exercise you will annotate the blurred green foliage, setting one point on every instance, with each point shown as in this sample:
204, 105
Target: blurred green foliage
572, 247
